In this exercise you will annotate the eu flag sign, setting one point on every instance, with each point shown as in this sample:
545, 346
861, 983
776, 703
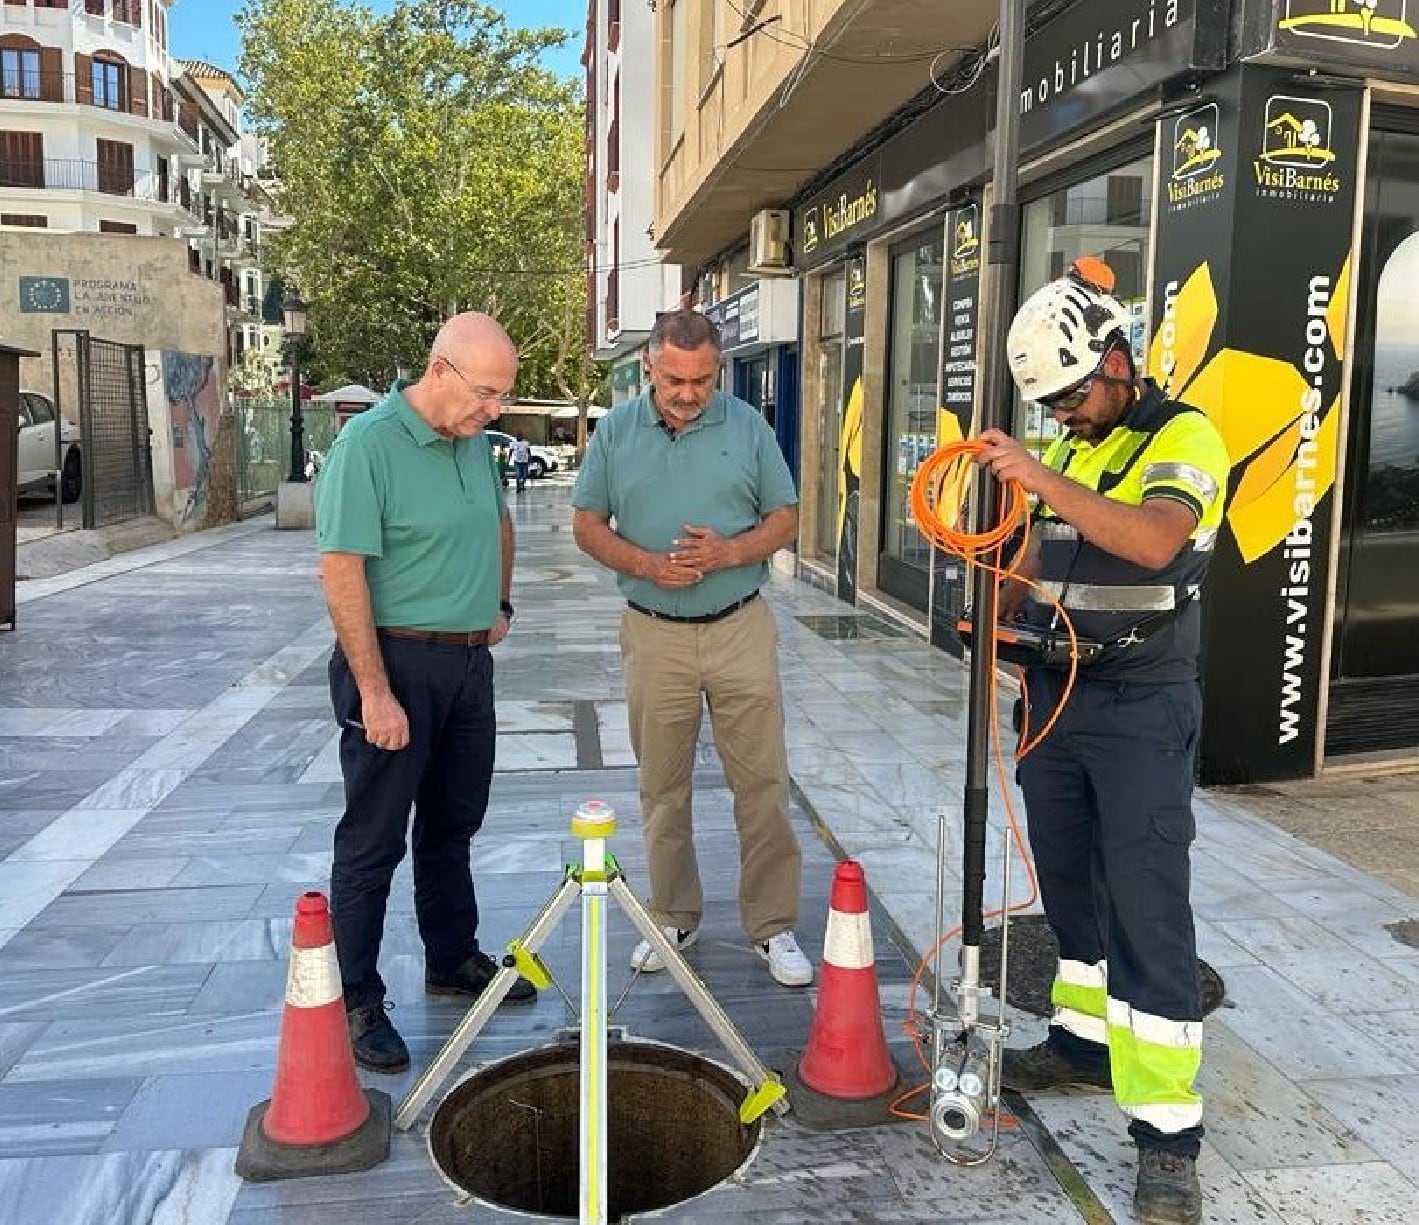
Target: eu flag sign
44, 295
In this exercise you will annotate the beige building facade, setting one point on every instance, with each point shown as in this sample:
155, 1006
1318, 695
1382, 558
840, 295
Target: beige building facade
132, 291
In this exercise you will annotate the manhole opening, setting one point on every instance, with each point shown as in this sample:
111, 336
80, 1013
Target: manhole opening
509, 1134
1033, 955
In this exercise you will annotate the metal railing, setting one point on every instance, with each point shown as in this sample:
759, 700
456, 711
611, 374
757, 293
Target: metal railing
73, 174
37, 85
264, 441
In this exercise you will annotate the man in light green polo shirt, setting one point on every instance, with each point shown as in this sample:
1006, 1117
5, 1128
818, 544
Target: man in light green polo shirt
701, 498
416, 561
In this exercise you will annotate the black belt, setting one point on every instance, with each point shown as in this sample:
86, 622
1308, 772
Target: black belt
701, 619
453, 638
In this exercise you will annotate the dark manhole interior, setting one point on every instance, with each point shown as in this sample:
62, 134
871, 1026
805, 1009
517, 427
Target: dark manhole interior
510, 1133
840, 627
1033, 953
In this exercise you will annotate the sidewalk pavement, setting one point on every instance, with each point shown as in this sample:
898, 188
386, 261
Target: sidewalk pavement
168, 786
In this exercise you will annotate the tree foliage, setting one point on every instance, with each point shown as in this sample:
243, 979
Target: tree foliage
430, 165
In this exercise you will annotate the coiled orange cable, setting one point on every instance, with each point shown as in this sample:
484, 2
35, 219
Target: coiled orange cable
938, 503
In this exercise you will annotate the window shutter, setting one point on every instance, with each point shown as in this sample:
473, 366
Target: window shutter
83, 79
51, 74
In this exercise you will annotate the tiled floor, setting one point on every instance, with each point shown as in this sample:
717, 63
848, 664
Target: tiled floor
168, 785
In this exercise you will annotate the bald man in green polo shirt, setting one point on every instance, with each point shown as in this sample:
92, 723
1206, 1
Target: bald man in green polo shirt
416, 561
701, 498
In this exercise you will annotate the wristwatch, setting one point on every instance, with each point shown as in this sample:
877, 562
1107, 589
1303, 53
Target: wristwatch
505, 606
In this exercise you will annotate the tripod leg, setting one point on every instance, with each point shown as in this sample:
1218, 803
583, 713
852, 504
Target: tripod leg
768, 1090
483, 1008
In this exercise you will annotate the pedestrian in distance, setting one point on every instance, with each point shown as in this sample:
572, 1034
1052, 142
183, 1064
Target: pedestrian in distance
1130, 500
701, 498
416, 562
521, 460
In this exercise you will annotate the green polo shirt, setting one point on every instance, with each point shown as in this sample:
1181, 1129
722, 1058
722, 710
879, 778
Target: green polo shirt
424, 510
724, 471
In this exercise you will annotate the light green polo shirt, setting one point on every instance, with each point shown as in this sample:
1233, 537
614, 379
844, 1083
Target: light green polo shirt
724, 471
425, 511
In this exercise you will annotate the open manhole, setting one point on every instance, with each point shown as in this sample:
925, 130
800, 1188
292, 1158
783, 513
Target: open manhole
1033, 954
509, 1134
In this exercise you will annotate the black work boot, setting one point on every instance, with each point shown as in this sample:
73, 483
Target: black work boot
1168, 1192
1045, 1067
472, 977
374, 1040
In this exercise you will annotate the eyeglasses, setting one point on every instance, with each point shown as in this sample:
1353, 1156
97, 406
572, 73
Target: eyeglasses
486, 394
1069, 399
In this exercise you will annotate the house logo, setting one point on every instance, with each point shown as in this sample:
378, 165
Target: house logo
811, 235
1196, 176
856, 284
1195, 149
44, 295
965, 243
1296, 158
1297, 133
1366, 23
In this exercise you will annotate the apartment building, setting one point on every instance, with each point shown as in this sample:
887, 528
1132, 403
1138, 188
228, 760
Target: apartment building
234, 207
627, 283
1250, 170
88, 118
131, 208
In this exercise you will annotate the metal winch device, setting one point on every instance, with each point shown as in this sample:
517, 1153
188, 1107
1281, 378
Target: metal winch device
967, 1043
596, 882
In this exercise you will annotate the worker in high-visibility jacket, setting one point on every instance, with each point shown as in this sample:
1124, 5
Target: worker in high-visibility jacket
1129, 502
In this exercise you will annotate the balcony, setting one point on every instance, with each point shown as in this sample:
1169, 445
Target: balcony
64, 174
737, 133
60, 88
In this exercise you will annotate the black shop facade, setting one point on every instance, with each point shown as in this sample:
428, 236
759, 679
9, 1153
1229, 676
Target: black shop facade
1249, 169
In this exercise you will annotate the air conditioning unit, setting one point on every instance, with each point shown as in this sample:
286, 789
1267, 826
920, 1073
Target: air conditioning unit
770, 253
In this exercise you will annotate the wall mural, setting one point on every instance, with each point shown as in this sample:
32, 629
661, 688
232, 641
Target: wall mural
194, 407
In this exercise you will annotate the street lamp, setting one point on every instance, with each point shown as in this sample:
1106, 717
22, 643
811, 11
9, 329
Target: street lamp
294, 308
401, 369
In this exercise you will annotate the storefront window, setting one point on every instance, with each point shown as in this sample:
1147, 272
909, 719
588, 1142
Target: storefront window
1108, 216
914, 359
830, 405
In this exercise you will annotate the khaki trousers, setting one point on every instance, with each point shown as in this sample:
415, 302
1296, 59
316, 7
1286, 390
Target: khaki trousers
734, 664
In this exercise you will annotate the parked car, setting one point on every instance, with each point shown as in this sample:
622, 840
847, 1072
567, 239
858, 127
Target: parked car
38, 421
543, 461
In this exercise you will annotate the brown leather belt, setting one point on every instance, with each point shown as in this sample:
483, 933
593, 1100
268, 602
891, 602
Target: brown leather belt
451, 638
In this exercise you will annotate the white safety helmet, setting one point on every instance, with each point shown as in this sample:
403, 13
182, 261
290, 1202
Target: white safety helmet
1061, 334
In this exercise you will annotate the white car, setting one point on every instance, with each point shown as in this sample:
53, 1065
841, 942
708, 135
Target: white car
38, 423
543, 461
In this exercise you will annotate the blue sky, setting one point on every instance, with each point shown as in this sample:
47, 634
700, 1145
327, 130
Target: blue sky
203, 29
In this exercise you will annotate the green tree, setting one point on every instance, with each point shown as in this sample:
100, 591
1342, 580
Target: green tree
429, 165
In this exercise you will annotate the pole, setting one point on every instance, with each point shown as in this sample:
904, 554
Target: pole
966, 1063
297, 420
1001, 258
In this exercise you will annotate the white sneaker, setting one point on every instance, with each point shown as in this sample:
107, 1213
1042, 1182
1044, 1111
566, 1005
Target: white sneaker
786, 961
647, 960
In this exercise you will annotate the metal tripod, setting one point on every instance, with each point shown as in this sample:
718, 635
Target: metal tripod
593, 880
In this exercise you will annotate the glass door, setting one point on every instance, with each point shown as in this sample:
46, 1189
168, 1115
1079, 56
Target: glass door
830, 412
913, 364
1375, 664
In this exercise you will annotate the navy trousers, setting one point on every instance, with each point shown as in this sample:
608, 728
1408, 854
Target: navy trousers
443, 775
1108, 798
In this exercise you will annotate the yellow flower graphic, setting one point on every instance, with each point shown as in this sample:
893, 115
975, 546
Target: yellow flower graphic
1258, 405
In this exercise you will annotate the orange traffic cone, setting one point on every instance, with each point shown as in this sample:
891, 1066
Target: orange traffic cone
847, 1047
317, 1120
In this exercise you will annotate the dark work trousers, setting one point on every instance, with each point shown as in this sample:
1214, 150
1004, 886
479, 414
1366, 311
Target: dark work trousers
443, 774
1108, 795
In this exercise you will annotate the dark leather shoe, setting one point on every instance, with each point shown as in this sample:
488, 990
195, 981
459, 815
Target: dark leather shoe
1168, 1191
1043, 1067
375, 1041
473, 976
